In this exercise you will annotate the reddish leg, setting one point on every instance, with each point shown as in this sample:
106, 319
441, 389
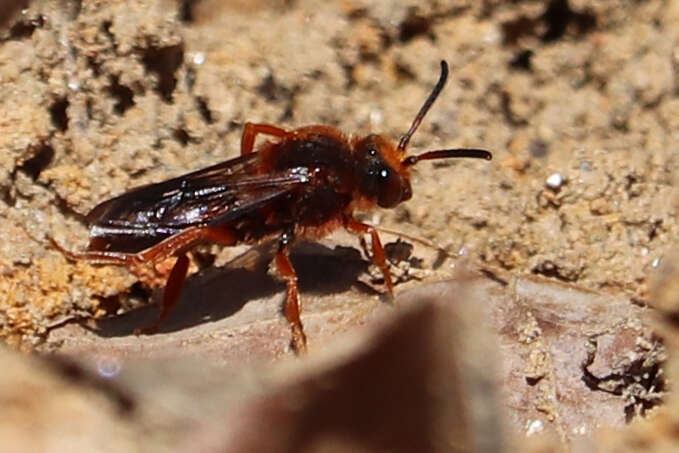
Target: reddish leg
378, 255
174, 245
173, 289
292, 310
175, 282
156, 253
250, 131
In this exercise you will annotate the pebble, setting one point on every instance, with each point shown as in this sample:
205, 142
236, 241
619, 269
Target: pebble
554, 181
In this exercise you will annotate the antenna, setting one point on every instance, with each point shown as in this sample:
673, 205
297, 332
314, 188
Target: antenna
403, 143
446, 153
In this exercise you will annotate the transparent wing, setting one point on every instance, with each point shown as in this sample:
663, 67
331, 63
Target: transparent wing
217, 194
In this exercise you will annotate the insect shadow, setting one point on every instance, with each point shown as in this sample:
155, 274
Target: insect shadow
216, 293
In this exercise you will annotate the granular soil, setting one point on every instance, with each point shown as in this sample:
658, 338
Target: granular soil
578, 101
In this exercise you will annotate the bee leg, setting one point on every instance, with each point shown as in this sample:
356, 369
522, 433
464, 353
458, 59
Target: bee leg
156, 253
379, 257
292, 310
175, 282
250, 131
173, 290
174, 245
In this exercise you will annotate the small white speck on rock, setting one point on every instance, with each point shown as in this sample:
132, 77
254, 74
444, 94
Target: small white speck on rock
534, 427
74, 85
554, 181
376, 119
198, 58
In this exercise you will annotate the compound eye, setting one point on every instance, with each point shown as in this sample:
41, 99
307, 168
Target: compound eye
391, 190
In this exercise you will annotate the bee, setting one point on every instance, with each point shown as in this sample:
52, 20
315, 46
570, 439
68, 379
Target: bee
302, 183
